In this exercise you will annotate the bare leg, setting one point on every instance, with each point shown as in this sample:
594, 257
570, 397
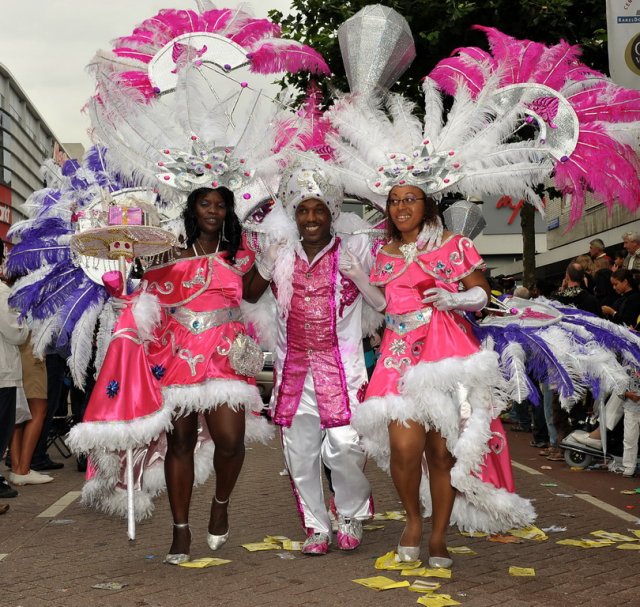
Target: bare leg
30, 435
178, 470
226, 427
15, 446
439, 462
407, 447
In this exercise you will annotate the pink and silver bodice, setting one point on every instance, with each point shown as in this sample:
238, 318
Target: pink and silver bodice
417, 332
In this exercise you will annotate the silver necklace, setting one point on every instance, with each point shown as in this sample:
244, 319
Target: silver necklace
204, 253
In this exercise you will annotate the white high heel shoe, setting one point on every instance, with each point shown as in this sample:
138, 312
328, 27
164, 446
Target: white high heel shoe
407, 554
440, 562
217, 541
179, 558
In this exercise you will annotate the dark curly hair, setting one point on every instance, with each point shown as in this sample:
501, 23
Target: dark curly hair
430, 214
232, 231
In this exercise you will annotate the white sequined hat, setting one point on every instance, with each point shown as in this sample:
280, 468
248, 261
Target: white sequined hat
306, 178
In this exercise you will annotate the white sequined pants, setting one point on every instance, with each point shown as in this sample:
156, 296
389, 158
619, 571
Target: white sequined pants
306, 447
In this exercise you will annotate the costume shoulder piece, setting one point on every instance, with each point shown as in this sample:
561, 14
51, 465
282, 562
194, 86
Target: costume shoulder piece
451, 262
386, 267
244, 261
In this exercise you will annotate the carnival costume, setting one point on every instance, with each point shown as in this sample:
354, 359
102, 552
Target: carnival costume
432, 369
319, 360
179, 106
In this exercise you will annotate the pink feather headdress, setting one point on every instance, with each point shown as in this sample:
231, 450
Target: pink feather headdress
266, 52
604, 161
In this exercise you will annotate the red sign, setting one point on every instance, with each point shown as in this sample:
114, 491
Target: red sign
507, 202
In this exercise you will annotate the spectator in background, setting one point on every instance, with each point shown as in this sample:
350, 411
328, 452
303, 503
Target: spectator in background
56, 367
632, 246
573, 291
618, 259
603, 289
626, 309
596, 251
631, 398
586, 263
26, 435
12, 335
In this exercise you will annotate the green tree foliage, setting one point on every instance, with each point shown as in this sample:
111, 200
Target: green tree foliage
441, 26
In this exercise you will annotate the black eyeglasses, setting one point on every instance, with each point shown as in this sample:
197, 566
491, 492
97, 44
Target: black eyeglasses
408, 201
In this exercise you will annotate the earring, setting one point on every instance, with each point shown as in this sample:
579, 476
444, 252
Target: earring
223, 237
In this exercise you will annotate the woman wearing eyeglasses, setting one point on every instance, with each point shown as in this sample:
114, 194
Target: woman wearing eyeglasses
430, 398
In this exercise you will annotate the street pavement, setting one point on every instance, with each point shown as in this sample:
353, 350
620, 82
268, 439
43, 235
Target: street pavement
55, 558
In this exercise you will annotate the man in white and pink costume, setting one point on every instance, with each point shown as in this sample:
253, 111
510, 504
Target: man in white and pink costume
319, 280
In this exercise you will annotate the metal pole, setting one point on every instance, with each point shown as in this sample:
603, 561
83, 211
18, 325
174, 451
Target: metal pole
131, 515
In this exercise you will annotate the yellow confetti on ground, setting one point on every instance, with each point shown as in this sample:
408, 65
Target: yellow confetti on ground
474, 534
530, 533
291, 545
372, 527
390, 515
461, 550
424, 586
204, 562
379, 582
426, 572
614, 537
390, 563
276, 539
628, 492
522, 571
628, 546
585, 543
258, 546
436, 600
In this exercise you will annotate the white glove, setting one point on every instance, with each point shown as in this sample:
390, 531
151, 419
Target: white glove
472, 300
350, 267
266, 264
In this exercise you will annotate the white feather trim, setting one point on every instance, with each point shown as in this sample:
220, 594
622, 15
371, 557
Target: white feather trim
429, 396
202, 397
372, 320
262, 315
82, 344
147, 314
106, 322
119, 435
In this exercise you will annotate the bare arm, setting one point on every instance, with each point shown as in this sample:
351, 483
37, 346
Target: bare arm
253, 285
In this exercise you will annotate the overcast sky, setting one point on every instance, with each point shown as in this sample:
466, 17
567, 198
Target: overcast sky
46, 44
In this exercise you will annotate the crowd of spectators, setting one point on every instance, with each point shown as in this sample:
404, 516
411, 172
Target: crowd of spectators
609, 288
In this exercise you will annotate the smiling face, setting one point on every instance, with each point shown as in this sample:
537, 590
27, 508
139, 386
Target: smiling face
314, 222
210, 211
406, 209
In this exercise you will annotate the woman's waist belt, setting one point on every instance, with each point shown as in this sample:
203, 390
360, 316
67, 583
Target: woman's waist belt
403, 323
199, 322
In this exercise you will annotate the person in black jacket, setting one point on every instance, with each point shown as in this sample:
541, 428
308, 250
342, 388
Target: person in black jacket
626, 309
573, 292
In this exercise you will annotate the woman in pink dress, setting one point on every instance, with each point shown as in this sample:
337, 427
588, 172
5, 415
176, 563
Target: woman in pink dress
173, 395
430, 407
